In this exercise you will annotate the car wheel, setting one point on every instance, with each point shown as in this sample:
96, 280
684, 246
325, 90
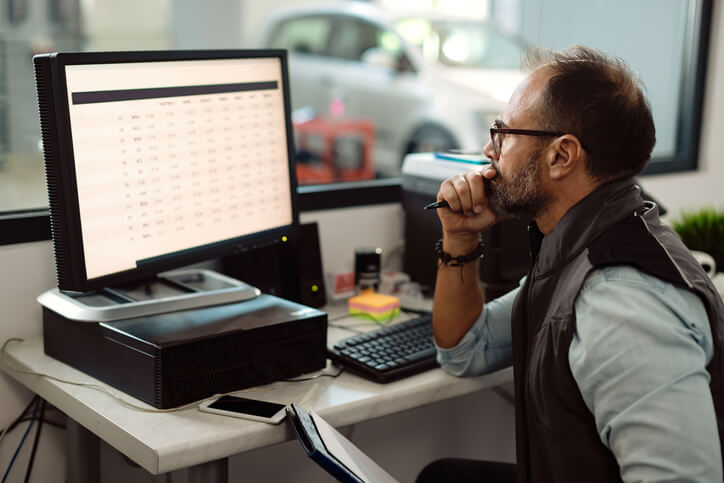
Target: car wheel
429, 139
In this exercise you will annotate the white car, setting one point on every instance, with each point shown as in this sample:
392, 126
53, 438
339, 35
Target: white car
426, 83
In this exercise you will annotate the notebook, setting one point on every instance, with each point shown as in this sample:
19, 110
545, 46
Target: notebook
332, 451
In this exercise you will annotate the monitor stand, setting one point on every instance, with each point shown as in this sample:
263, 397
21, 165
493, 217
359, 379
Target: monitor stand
167, 292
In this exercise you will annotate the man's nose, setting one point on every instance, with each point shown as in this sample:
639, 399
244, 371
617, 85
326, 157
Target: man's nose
489, 152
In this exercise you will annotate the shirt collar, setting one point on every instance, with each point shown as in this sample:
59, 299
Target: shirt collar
591, 216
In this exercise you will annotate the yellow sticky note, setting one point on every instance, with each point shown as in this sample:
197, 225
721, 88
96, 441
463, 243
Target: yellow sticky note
378, 306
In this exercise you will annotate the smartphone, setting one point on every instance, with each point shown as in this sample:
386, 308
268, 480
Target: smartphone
239, 407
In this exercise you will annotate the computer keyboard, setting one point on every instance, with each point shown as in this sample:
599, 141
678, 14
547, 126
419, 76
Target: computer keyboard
389, 353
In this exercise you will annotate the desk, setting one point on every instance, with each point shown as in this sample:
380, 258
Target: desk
163, 442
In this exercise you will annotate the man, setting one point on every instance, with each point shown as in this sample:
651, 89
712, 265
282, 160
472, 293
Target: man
615, 334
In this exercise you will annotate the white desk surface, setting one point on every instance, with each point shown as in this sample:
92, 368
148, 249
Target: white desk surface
161, 442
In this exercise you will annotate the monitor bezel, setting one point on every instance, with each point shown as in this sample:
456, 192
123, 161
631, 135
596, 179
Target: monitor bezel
78, 281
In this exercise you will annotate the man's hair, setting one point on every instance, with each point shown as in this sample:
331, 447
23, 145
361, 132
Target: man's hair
598, 99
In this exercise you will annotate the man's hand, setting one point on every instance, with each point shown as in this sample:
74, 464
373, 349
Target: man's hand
469, 212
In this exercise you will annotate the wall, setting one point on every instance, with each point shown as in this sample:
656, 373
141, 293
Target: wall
29, 271
381, 226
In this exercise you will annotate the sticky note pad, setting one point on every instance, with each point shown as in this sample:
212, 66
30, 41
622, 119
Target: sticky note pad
378, 306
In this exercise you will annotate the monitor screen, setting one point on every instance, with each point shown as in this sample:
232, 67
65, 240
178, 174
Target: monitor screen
157, 160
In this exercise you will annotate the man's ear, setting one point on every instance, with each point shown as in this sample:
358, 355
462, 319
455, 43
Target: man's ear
565, 154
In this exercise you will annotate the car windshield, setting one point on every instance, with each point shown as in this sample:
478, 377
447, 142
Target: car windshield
462, 43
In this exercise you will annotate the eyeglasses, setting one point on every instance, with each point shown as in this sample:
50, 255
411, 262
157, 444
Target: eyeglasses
497, 132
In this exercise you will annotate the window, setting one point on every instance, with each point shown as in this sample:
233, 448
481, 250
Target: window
463, 43
664, 42
382, 84
353, 38
306, 35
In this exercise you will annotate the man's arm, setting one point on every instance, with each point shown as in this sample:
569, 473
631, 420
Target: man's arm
458, 299
487, 346
639, 357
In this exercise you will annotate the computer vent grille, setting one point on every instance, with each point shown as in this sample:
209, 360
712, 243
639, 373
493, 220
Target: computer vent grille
208, 366
49, 136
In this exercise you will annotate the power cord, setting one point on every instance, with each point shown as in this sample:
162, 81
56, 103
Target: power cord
50, 422
22, 441
35, 442
350, 328
310, 378
19, 419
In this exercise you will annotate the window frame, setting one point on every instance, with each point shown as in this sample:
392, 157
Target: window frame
691, 95
34, 224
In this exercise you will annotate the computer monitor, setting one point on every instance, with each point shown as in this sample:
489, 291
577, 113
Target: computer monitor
156, 160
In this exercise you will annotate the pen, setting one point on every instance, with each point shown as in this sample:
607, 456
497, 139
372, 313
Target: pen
437, 204
443, 203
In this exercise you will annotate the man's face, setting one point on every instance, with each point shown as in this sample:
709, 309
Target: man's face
519, 189
519, 194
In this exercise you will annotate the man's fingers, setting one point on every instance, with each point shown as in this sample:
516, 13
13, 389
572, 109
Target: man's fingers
463, 189
449, 193
477, 190
465, 193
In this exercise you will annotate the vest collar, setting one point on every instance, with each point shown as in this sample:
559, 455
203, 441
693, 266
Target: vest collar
604, 206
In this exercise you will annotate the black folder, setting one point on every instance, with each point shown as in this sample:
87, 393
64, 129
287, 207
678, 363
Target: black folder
332, 451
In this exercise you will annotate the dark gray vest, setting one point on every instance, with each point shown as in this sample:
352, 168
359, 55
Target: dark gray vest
556, 436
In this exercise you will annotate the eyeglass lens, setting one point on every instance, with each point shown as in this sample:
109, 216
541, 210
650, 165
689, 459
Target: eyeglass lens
497, 139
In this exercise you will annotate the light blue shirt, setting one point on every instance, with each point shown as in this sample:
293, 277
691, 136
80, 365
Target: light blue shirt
639, 357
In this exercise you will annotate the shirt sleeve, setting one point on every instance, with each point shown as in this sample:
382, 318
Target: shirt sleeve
486, 347
639, 357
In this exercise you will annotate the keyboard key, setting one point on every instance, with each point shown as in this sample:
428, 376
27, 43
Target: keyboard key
422, 354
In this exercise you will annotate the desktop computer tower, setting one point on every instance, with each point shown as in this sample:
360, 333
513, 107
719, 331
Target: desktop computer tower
176, 358
291, 269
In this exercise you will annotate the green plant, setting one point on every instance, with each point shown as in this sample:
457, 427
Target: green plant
703, 230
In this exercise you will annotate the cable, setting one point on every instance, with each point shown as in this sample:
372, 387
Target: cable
315, 376
349, 327
19, 419
22, 441
55, 424
337, 317
35, 442
46, 419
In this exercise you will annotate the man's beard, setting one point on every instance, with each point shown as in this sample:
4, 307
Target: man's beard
520, 195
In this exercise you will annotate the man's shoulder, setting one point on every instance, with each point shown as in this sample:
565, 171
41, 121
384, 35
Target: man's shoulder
623, 275
619, 286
